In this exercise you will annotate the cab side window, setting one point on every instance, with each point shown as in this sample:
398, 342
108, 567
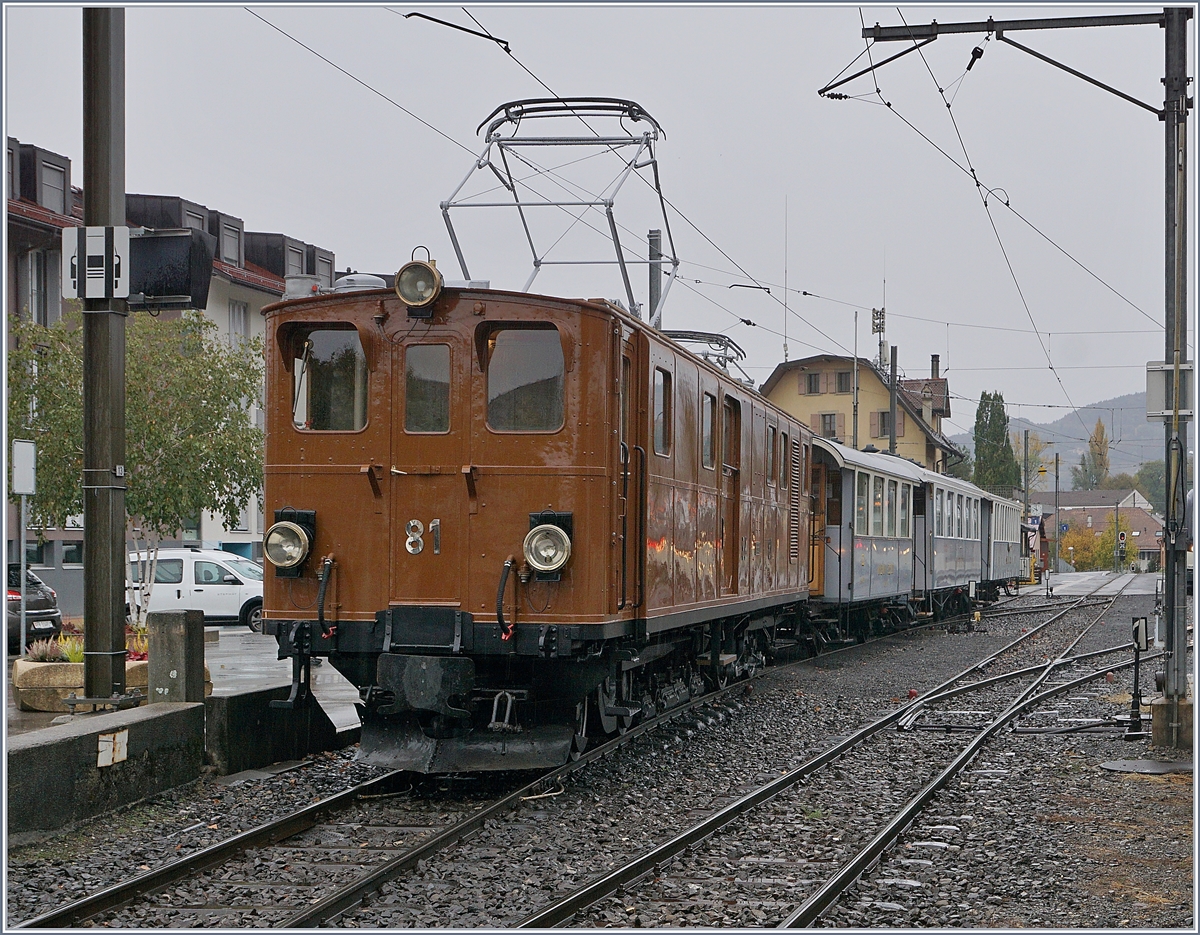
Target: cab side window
209, 573
525, 375
330, 381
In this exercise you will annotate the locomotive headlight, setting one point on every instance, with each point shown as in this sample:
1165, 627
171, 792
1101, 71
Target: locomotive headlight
547, 548
418, 283
286, 544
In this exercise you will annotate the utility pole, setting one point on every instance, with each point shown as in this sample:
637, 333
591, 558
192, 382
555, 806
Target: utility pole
892, 415
1173, 21
104, 361
1025, 476
1057, 515
1117, 537
854, 444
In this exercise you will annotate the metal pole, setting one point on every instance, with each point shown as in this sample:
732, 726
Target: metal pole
854, 431
1057, 516
24, 559
1117, 537
892, 417
655, 239
104, 361
1175, 107
1026, 475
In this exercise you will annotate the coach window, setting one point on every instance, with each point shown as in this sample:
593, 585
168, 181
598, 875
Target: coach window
860, 503
662, 412
905, 493
771, 434
877, 506
708, 432
427, 388
959, 516
525, 379
784, 460
892, 491
329, 376
938, 515
975, 519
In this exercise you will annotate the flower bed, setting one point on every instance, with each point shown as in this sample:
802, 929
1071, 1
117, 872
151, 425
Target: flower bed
44, 686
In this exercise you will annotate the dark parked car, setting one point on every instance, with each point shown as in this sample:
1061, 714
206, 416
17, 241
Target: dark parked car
42, 616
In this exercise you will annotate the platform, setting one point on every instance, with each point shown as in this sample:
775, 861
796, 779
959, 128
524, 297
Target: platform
1079, 583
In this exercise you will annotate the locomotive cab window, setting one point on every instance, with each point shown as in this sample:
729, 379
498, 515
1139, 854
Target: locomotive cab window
784, 460
662, 412
525, 373
771, 433
427, 388
329, 374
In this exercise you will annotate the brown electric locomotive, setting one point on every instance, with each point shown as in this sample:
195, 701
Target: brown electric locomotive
518, 523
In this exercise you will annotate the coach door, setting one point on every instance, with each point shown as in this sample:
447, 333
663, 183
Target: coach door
816, 548
731, 484
431, 499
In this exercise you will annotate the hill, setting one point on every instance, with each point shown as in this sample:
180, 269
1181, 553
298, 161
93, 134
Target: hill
1132, 439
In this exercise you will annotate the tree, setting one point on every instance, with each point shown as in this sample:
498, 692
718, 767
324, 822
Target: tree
995, 464
1095, 551
1038, 457
1152, 481
963, 469
1093, 465
190, 445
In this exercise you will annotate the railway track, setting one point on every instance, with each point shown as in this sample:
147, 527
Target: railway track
235, 876
651, 867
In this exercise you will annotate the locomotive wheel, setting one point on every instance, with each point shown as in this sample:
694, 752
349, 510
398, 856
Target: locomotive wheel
579, 742
606, 695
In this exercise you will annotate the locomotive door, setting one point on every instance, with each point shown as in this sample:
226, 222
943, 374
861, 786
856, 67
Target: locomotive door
816, 548
729, 541
631, 482
431, 500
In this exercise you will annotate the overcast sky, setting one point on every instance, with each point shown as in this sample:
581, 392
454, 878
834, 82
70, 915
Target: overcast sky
224, 110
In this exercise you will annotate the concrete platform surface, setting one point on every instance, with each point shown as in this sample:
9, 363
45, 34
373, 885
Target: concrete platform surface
1079, 583
238, 661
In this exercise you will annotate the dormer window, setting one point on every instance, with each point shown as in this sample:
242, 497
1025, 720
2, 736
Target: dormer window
54, 188
231, 244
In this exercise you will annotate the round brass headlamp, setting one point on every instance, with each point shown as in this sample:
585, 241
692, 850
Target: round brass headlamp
286, 544
547, 547
418, 284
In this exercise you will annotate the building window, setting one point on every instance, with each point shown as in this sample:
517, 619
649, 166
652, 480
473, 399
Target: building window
194, 221
325, 271
295, 261
662, 412
708, 432
843, 381
885, 424
243, 523
812, 383
72, 553
860, 503
35, 552
39, 304
829, 425
525, 378
427, 388
771, 434
54, 188
239, 321
231, 244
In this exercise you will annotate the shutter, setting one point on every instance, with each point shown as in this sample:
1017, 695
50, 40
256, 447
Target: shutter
841, 425
801, 382
794, 506
874, 424
824, 382
899, 423
814, 423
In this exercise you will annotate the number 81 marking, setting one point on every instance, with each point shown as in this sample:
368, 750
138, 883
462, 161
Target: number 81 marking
416, 530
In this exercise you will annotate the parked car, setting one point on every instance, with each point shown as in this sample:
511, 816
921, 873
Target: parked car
42, 616
227, 587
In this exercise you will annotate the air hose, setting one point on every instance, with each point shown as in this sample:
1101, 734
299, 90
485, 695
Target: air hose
326, 567
506, 629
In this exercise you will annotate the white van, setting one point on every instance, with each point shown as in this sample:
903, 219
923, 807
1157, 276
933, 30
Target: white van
227, 587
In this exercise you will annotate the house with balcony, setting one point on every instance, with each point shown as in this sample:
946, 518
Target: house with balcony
819, 390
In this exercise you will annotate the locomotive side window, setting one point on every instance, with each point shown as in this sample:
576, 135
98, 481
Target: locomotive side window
330, 382
877, 506
525, 379
708, 432
938, 511
905, 493
427, 388
784, 451
892, 489
662, 412
860, 503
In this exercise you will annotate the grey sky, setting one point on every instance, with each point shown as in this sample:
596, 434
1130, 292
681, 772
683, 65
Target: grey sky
228, 112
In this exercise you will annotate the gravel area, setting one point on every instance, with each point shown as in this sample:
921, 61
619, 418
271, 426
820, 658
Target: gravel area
667, 780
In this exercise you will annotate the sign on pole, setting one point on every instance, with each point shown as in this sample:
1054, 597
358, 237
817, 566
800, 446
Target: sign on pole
24, 467
95, 263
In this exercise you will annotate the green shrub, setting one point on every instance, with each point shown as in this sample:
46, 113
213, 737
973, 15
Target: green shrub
71, 647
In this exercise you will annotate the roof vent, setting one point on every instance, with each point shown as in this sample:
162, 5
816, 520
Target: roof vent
301, 286
357, 282
871, 449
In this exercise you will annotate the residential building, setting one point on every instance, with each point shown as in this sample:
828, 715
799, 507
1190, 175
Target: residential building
1101, 500
1145, 528
249, 270
820, 391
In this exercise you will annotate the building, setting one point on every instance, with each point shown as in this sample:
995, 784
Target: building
820, 391
249, 271
1101, 500
1095, 509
